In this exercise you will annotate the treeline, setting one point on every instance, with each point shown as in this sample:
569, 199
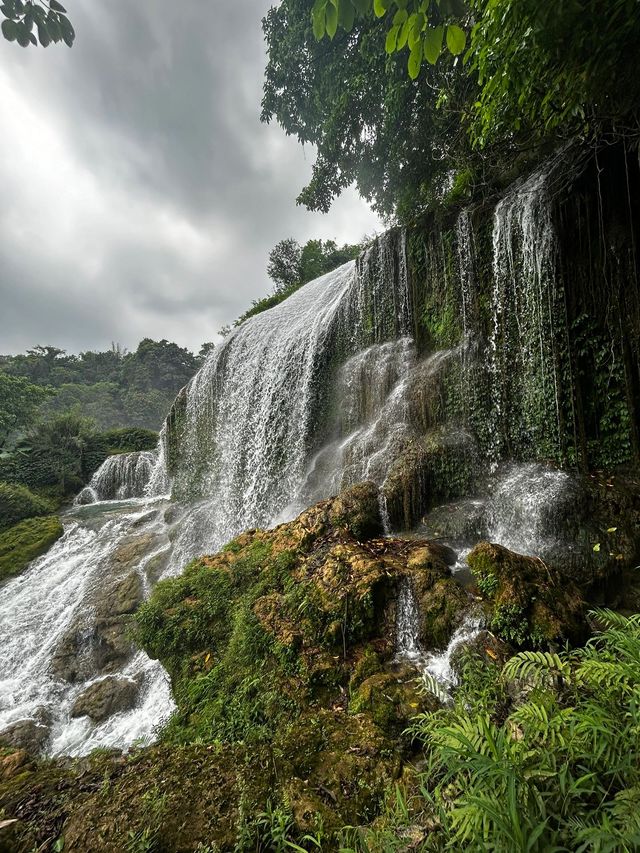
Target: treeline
115, 387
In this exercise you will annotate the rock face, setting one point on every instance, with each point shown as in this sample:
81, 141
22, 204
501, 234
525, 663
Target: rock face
104, 698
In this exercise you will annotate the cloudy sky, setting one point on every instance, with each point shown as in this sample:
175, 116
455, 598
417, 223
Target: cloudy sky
141, 194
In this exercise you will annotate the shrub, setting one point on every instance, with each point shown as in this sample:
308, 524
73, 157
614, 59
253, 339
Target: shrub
129, 439
18, 503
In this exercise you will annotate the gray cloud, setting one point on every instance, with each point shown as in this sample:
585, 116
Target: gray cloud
141, 193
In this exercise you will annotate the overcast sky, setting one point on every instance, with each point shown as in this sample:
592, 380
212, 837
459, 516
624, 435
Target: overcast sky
140, 193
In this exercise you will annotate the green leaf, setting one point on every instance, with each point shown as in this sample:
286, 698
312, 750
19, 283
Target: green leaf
57, 7
456, 39
392, 40
68, 33
415, 61
380, 8
23, 35
9, 30
362, 6
331, 21
43, 35
433, 43
347, 15
318, 18
404, 34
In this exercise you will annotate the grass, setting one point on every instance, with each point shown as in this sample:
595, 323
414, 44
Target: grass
25, 541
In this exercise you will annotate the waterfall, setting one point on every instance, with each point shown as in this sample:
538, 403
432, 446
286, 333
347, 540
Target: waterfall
240, 441
527, 506
407, 624
439, 665
235, 451
59, 634
125, 475
442, 666
525, 303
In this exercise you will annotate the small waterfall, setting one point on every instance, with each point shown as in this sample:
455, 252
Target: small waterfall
527, 506
123, 476
407, 623
59, 634
441, 666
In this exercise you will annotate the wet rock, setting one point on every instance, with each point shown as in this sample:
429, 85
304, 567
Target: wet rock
133, 549
97, 649
104, 698
529, 604
28, 735
122, 597
435, 467
358, 510
462, 521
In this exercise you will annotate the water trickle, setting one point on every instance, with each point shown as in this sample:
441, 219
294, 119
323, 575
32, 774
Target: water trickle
407, 623
125, 475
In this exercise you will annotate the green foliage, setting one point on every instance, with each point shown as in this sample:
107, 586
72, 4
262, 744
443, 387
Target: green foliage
116, 388
561, 772
545, 67
417, 25
27, 22
23, 542
129, 439
532, 72
19, 400
371, 124
18, 503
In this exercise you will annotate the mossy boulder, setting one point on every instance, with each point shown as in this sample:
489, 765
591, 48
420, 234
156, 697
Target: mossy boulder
530, 605
23, 542
441, 601
435, 467
105, 697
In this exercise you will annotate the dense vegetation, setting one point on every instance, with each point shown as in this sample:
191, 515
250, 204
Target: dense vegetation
534, 74
115, 387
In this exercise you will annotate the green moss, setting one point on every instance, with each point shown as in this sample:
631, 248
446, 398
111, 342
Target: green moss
23, 542
529, 604
18, 503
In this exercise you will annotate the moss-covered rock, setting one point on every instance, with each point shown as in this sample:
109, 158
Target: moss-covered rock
25, 541
438, 466
530, 605
290, 706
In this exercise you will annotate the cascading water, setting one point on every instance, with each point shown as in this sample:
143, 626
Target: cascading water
125, 475
235, 451
439, 665
322, 391
407, 624
59, 634
525, 304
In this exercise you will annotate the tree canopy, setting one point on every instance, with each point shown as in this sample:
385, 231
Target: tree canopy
532, 73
